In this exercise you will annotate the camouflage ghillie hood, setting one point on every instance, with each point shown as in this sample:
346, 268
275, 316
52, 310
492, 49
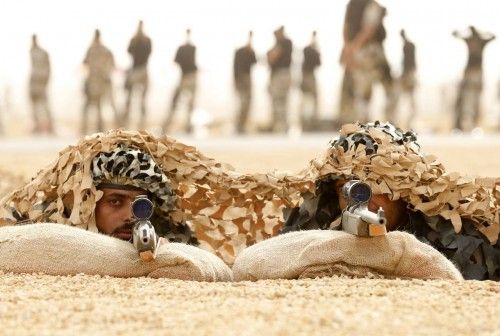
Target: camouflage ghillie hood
391, 162
132, 167
226, 210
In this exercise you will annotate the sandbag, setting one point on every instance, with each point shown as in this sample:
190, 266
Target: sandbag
315, 253
57, 249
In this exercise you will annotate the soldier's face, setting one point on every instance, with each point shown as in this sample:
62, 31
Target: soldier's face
113, 212
395, 211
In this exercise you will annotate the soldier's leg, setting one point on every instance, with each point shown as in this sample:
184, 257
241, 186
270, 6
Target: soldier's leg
284, 90
48, 115
476, 106
111, 98
413, 109
84, 120
191, 103
100, 123
245, 97
459, 107
238, 120
126, 112
276, 94
282, 110
312, 95
35, 107
302, 109
315, 103
274, 109
346, 108
390, 92
144, 91
173, 107
362, 83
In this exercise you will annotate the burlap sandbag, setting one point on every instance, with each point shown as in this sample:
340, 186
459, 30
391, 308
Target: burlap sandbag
319, 252
57, 249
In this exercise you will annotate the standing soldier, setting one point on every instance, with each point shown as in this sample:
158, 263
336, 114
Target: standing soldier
244, 59
279, 59
346, 113
407, 80
308, 86
40, 74
98, 85
471, 86
364, 57
137, 76
185, 58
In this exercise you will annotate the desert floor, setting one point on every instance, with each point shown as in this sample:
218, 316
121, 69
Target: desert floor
47, 305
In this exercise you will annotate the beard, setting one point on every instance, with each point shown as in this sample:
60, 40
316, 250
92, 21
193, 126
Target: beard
123, 232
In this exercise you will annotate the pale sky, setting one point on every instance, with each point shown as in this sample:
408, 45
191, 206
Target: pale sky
65, 30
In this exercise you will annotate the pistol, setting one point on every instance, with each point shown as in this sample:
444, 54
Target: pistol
144, 235
356, 218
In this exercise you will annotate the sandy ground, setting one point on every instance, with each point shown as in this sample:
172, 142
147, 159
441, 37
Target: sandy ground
38, 304
45, 305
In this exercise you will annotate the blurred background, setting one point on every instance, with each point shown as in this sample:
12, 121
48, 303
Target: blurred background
66, 29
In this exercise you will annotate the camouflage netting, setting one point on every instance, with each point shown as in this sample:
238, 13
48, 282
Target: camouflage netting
391, 162
226, 210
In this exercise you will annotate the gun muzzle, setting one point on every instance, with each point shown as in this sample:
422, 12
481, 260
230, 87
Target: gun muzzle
145, 240
371, 217
364, 223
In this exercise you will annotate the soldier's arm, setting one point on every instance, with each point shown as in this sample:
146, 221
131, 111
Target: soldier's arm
112, 61
490, 37
273, 55
345, 34
149, 46
130, 48
456, 34
254, 58
372, 18
86, 58
235, 65
177, 56
47, 59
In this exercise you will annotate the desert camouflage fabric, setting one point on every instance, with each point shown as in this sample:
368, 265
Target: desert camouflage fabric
456, 214
226, 210
393, 164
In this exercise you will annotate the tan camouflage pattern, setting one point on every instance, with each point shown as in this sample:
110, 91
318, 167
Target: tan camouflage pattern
403, 171
228, 211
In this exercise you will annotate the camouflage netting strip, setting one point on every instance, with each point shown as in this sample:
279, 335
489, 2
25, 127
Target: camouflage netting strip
402, 171
226, 210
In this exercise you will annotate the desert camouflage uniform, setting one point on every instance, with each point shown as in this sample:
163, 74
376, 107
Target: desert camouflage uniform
476, 255
137, 78
225, 210
98, 86
40, 74
370, 64
470, 88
